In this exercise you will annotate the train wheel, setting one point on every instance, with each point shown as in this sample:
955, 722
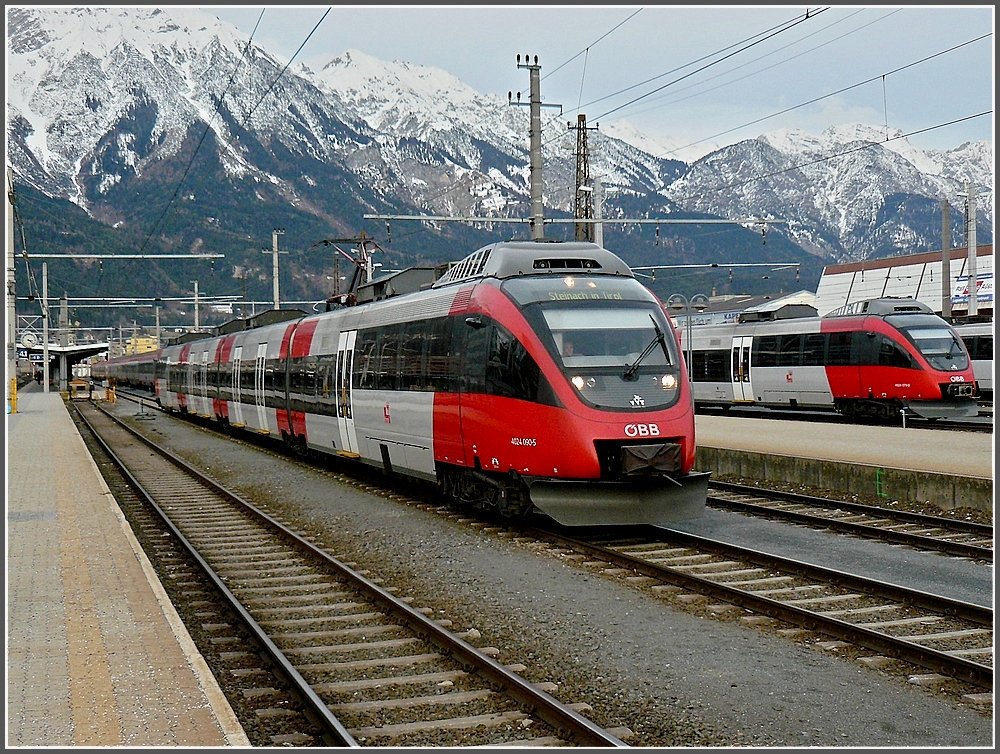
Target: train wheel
503, 497
847, 409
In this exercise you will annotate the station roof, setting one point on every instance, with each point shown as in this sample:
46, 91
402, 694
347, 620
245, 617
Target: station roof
73, 353
918, 276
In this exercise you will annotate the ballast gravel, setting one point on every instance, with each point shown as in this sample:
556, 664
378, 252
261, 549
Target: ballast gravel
674, 673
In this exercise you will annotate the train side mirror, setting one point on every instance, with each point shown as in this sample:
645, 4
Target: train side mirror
474, 321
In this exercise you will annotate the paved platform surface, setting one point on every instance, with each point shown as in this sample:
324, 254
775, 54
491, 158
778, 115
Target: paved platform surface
96, 654
914, 449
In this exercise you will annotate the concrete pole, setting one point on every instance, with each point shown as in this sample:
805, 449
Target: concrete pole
535, 144
946, 284
197, 311
973, 277
64, 342
598, 212
537, 209
274, 265
11, 375
45, 325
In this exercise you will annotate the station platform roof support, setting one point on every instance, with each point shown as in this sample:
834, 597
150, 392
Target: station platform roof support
63, 357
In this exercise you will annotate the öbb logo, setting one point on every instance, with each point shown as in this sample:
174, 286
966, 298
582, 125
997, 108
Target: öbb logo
642, 430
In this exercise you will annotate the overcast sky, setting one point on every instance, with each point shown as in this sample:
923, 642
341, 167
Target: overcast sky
762, 67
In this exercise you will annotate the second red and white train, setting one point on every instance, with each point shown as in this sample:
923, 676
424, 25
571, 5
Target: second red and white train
870, 360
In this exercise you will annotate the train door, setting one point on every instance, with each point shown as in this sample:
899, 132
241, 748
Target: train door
191, 383
742, 388
203, 384
258, 385
237, 384
345, 411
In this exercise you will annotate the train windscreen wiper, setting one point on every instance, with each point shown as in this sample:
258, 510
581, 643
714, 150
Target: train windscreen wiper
630, 370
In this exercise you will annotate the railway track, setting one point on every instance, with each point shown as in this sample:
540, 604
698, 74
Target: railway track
942, 534
365, 667
950, 639
950, 536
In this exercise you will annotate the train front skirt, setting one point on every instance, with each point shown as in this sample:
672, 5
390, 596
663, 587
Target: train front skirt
945, 409
653, 501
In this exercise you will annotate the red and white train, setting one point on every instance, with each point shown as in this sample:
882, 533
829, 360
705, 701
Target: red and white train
978, 340
531, 375
869, 360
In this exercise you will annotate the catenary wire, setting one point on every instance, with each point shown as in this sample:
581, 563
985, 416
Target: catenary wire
747, 75
746, 43
833, 93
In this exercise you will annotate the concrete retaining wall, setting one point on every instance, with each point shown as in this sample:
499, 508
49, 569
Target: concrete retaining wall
943, 490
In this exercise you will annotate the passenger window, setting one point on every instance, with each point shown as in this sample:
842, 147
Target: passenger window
891, 354
766, 351
789, 347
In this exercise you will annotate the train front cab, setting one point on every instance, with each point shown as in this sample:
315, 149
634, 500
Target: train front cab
939, 363
616, 445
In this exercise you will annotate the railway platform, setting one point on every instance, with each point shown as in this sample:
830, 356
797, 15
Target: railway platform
948, 469
96, 654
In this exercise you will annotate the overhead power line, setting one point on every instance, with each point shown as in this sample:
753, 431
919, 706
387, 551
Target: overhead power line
742, 46
746, 47
749, 73
881, 76
282, 72
208, 127
587, 48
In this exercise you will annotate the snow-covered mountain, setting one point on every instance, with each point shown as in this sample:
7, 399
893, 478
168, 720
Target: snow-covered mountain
115, 109
839, 189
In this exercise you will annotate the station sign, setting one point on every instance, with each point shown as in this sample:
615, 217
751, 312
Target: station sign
984, 289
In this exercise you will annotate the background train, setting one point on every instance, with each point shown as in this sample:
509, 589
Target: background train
531, 375
978, 339
870, 360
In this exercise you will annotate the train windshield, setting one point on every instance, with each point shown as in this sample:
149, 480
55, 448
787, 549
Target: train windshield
938, 343
605, 337
609, 334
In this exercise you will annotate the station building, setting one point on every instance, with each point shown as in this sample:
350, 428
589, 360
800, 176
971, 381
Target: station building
919, 276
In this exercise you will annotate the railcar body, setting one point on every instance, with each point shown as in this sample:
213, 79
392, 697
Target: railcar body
473, 383
135, 370
873, 360
978, 340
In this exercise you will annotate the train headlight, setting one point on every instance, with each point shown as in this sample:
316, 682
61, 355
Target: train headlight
668, 382
581, 382
578, 382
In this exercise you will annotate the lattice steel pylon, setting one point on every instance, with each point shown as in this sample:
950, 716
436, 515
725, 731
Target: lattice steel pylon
583, 197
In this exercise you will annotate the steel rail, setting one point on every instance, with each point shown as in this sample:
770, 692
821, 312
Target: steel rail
331, 725
571, 724
960, 668
922, 541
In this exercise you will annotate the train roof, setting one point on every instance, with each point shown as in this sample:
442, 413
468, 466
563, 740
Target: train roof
264, 318
880, 307
509, 259
975, 328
